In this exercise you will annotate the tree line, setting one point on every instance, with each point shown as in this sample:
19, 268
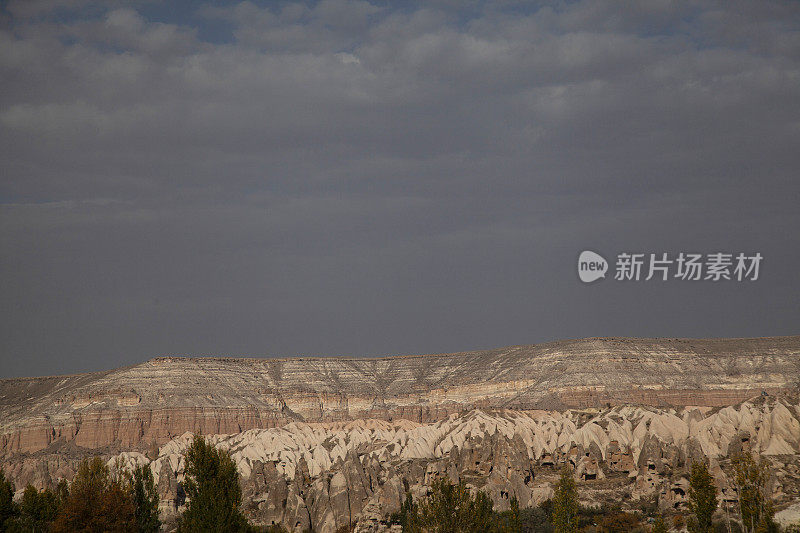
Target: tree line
95, 501
100, 500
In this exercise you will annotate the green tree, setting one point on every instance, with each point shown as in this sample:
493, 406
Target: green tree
8, 509
565, 504
408, 516
509, 521
96, 503
659, 526
702, 498
751, 480
145, 499
37, 510
537, 519
212, 486
515, 519
451, 508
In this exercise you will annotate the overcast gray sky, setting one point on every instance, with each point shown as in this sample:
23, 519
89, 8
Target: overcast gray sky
357, 178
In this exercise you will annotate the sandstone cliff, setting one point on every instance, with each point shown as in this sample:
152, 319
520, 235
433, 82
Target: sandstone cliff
134, 407
327, 475
327, 442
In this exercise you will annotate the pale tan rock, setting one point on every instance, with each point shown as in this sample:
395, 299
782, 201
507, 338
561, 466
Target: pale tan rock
155, 401
309, 452
788, 516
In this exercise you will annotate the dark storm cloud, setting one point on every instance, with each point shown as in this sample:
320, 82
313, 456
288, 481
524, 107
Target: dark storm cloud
359, 178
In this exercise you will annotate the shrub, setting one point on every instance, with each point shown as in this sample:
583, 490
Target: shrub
537, 519
619, 523
659, 526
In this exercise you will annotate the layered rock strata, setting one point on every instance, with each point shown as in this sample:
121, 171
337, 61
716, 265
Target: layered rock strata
327, 475
148, 404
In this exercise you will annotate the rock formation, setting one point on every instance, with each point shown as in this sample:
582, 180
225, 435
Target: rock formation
165, 397
327, 442
331, 474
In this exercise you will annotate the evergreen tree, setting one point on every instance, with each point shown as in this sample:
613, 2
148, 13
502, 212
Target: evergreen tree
96, 503
37, 510
702, 498
8, 510
452, 509
659, 526
145, 500
515, 520
408, 516
212, 486
751, 480
565, 504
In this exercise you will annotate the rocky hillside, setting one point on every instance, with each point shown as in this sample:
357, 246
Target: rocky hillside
331, 474
149, 404
326, 442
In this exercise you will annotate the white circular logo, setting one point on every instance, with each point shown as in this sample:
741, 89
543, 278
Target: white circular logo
591, 266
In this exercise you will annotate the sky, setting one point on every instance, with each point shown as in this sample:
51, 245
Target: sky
348, 177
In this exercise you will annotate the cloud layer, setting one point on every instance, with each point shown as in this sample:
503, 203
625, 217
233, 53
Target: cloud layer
362, 178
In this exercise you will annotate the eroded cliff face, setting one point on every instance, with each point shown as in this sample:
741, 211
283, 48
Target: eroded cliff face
327, 475
327, 442
151, 403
